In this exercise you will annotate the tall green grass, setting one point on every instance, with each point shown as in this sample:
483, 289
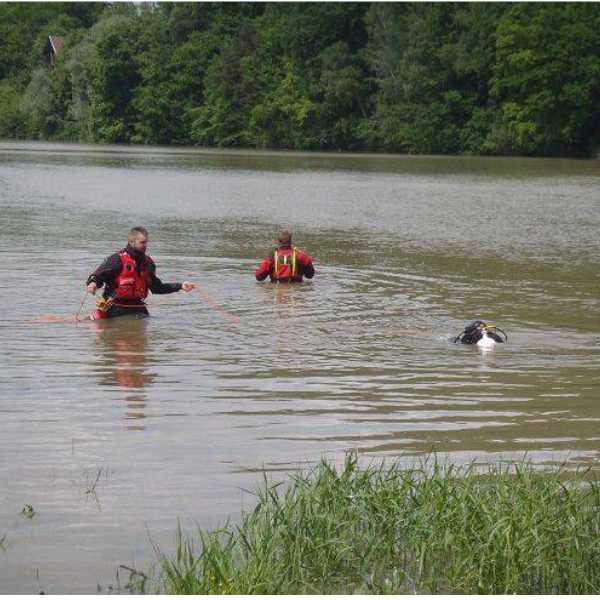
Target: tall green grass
433, 529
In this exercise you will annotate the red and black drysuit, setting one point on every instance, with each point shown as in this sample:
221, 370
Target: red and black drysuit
286, 264
127, 277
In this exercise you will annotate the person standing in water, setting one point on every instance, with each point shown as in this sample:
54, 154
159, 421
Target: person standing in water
127, 277
286, 263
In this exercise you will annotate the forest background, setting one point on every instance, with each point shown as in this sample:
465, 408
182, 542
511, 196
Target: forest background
474, 78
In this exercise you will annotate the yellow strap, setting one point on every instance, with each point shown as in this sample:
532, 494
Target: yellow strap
294, 255
285, 262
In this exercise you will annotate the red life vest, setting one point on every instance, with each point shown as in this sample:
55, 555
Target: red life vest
285, 265
132, 284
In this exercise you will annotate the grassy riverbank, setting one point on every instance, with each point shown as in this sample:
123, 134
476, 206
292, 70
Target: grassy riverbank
443, 529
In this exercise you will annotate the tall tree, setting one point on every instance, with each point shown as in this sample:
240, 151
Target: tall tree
547, 78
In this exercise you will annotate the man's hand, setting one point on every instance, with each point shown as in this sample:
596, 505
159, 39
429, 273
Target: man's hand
92, 288
187, 286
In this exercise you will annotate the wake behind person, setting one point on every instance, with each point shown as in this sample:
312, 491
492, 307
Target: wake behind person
127, 277
286, 264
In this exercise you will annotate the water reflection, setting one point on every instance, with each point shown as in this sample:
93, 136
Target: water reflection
289, 302
124, 346
287, 294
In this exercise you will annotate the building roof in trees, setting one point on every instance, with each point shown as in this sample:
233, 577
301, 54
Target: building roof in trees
57, 43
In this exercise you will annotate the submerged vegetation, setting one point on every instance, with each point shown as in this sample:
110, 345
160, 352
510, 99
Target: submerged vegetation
440, 529
482, 78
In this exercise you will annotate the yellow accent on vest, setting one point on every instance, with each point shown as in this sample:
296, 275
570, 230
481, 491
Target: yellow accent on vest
284, 259
104, 304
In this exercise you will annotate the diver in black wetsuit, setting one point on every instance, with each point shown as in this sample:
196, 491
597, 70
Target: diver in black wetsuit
473, 332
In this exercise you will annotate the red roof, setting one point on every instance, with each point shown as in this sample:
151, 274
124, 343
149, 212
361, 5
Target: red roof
57, 42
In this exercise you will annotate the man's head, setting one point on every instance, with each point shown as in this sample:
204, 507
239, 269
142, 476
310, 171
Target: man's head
138, 239
285, 237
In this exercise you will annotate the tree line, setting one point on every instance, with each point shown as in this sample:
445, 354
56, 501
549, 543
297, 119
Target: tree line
476, 78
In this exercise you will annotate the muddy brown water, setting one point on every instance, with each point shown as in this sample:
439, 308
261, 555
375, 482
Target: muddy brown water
112, 432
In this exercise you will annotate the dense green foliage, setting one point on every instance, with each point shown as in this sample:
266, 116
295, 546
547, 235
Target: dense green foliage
486, 78
509, 530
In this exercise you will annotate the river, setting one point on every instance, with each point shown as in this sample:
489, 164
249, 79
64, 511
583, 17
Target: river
114, 431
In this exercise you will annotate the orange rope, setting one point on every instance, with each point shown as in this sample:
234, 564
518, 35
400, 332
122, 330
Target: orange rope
81, 306
234, 319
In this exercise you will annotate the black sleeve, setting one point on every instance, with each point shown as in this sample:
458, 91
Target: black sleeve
158, 287
106, 272
308, 270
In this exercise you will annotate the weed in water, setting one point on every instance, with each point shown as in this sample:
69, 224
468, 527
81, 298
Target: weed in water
137, 580
92, 488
